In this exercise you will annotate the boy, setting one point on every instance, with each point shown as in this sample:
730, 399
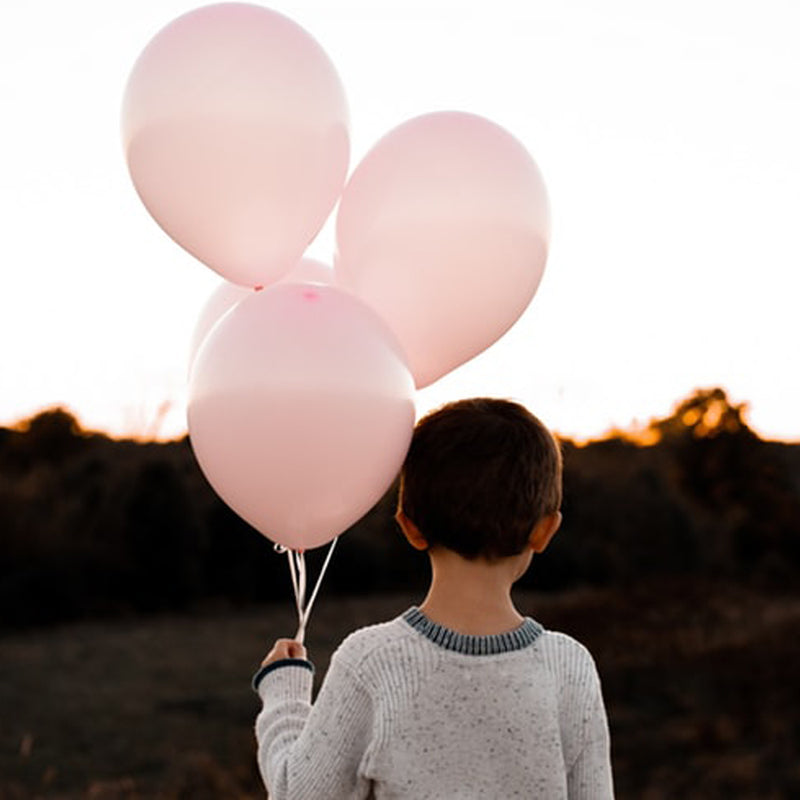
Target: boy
462, 697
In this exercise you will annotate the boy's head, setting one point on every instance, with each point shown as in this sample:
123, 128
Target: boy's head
478, 477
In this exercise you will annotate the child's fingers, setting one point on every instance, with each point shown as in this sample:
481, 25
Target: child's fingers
296, 650
284, 648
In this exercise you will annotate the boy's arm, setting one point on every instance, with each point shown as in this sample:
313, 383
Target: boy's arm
589, 777
312, 752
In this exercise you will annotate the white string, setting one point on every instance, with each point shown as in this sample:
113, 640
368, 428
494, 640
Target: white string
310, 603
295, 583
300, 558
297, 569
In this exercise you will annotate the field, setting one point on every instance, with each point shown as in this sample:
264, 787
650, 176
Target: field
701, 683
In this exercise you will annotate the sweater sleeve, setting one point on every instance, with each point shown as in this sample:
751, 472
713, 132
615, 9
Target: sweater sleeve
307, 752
590, 777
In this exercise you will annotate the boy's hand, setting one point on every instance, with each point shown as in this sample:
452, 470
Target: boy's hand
284, 648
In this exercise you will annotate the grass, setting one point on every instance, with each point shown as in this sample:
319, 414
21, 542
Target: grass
700, 682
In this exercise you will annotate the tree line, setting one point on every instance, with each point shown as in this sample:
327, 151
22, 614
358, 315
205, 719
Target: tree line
93, 526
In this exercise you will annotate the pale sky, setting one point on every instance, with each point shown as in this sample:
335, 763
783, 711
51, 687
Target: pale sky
666, 132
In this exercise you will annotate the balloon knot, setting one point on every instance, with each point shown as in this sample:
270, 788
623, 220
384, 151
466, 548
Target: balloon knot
258, 288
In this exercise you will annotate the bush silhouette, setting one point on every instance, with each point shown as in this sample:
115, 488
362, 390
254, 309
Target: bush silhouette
92, 525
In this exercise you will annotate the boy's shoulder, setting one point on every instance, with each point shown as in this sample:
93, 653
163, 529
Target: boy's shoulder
376, 655
365, 643
371, 640
564, 643
566, 656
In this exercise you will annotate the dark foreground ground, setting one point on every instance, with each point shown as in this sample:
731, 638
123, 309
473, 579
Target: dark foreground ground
701, 683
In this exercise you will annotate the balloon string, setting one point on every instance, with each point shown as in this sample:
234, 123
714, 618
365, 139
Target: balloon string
301, 574
310, 603
297, 569
295, 584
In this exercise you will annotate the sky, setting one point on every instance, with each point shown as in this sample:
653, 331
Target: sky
666, 133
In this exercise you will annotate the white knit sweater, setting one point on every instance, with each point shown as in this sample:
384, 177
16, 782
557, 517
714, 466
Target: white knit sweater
410, 709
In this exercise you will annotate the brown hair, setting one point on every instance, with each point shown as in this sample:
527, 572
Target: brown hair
479, 475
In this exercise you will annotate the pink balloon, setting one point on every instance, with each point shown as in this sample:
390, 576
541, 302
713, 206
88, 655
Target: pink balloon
443, 228
235, 128
300, 411
227, 295
221, 300
309, 270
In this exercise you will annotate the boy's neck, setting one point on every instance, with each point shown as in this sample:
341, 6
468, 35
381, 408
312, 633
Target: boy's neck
473, 597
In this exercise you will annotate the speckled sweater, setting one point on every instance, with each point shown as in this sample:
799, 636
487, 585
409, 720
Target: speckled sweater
410, 709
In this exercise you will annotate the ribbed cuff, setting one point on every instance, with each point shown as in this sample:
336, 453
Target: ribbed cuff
284, 662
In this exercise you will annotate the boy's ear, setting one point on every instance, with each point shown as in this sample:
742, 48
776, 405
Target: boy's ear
544, 530
410, 531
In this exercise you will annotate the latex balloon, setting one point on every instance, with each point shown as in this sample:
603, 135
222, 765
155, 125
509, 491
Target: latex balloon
443, 228
235, 129
309, 270
300, 411
221, 300
227, 295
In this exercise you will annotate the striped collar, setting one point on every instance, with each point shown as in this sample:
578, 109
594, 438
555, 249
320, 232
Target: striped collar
492, 644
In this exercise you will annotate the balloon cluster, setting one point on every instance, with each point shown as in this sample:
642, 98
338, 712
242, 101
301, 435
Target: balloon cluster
301, 398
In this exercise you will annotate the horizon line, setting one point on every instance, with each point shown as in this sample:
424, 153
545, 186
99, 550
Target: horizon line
633, 431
